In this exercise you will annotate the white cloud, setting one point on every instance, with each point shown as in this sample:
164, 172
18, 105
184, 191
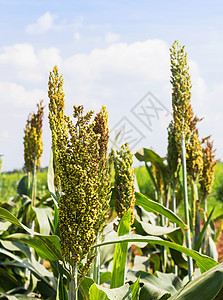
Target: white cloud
77, 36
16, 96
43, 24
112, 38
117, 76
22, 62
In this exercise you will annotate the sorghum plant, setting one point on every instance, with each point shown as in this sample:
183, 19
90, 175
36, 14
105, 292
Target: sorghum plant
80, 153
194, 158
182, 116
124, 181
209, 163
33, 145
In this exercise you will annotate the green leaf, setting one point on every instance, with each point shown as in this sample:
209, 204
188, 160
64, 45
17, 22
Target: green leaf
85, 285
149, 291
43, 216
207, 286
49, 243
135, 289
157, 230
50, 175
148, 155
152, 177
105, 277
61, 289
22, 188
152, 206
9, 297
203, 231
35, 268
9, 280
5, 214
166, 285
17, 246
47, 247
204, 262
120, 255
98, 292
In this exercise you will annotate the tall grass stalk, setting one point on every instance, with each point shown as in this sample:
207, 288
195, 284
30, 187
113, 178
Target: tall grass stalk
73, 285
186, 205
174, 210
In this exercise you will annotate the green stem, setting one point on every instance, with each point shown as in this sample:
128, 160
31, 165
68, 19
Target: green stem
205, 204
194, 198
33, 197
174, 210
96, 266
163, 248
73, 287
186, 206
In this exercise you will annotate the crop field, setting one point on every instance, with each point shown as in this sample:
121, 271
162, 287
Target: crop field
90, 226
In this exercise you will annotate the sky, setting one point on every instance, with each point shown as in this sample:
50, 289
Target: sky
112, 53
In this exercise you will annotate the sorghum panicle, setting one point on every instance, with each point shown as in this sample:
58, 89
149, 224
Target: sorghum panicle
181, 92
209, 163
32, 141
173, 156
124, 181
80, 153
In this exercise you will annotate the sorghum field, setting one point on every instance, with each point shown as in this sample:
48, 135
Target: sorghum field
90, 226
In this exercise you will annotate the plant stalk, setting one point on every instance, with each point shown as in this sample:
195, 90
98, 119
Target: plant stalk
174, 210
186, 206
194, 199
96, 266
33, 193
73, 287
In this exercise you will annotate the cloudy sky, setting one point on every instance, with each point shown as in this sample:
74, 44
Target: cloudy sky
113, 53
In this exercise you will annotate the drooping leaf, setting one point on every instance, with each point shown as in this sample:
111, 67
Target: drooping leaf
207, 286
16, 246
152, 206
204, 262
47, 247
148, 155
43, 216
35, 268
149, 291
98, 292
51, 243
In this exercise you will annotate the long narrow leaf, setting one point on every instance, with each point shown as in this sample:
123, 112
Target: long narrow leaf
47, 247
203, 231
151, 176
120, 255
207, 286
153, 206
204, 262
51, 242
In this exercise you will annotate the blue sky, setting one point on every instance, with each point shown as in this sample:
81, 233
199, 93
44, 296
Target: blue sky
111, 53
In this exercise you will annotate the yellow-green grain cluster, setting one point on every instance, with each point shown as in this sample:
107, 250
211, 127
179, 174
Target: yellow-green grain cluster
181, 93
32, 141
80, 153
209, 163
173, 157
124, 181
